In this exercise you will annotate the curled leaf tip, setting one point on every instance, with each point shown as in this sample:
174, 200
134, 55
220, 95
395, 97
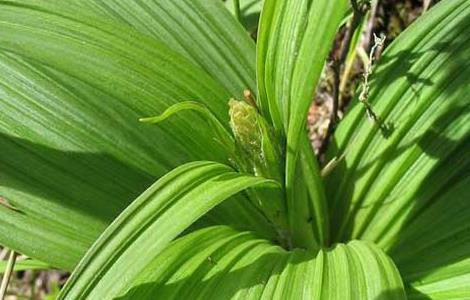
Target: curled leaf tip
146, 120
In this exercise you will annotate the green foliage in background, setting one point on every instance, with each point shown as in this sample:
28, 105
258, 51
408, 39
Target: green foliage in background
249, 12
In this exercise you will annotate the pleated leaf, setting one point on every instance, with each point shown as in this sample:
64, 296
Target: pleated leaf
424, 109
222, 263
150, 223
399, 174
294, 40
201, 30
73, 154
432, 252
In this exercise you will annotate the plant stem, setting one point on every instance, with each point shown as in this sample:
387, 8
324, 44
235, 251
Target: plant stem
368, 37
339, 59
7, 274
365, 39
236, 10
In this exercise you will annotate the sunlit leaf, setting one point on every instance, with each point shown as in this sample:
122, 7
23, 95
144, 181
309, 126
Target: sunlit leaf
201, 30
72, 89
150, 223
404, 179
293, 43
221, 263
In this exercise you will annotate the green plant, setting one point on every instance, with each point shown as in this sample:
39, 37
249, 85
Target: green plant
248, 11
389, 221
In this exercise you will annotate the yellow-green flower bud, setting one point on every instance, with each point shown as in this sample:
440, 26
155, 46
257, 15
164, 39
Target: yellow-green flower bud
255, 139
257, 152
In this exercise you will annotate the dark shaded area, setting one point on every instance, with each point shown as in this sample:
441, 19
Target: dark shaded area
72, 194
392, 294
412, 293
94, 183
249, 16
444, 190
394, 16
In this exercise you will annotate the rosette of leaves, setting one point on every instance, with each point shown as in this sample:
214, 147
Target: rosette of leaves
202, 206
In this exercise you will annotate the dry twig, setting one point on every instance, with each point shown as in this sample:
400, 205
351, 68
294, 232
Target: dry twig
364, 96
338, 62
7, 274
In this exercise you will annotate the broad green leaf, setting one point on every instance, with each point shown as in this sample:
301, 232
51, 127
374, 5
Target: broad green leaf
293, 42
419, 92
200, 30
150, 223
221, 263
404, 182
73, 154
432, 252
25, 264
